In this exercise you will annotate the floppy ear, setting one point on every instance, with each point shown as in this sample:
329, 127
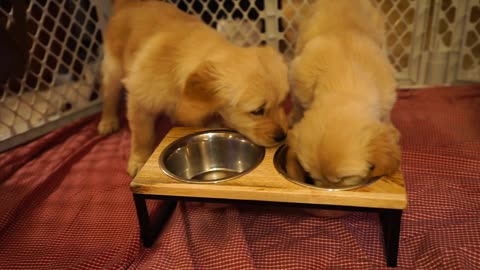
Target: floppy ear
384, 151
198, 99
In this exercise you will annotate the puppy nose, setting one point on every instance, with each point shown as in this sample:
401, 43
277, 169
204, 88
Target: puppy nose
280, 137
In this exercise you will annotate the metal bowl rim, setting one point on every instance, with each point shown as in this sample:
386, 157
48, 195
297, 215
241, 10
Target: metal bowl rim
283, 173
174, 145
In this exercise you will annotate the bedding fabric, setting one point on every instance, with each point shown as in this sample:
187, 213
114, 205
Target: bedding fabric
66, 204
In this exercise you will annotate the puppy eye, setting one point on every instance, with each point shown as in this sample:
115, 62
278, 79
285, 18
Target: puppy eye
372, 167
259, 111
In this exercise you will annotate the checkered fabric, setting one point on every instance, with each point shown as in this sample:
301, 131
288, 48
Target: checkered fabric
66, 204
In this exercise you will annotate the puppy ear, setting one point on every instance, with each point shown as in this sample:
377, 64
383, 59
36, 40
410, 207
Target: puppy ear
384, 151
198, 99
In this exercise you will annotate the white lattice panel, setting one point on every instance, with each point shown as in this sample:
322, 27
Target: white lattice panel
64, 39
292, 12
453, 49
444, 41
469, 64
241, 21
406, 22
405, 26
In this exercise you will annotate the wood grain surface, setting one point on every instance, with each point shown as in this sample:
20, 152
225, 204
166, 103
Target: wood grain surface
264, 183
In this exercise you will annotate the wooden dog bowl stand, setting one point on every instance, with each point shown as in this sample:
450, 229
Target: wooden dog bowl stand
264, 185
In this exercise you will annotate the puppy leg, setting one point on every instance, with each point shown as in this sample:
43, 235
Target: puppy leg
296, 114
293, 167
111, 91
303, 85
142, 127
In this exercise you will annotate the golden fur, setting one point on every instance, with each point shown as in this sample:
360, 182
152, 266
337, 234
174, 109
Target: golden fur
344, 90
172, 63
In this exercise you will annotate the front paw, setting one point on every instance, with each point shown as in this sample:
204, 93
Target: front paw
134, 166
108, 126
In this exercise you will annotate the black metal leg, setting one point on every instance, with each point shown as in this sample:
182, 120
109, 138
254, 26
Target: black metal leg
391, 220
143, 219
163, 216
149, 231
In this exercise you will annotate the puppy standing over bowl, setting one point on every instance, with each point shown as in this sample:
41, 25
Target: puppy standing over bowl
172, 63
344, 90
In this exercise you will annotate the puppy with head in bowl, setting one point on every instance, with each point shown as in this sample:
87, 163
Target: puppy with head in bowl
343, 91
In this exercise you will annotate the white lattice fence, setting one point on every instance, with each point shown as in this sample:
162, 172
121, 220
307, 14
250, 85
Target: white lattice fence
406, 22
469, 66
58, 82
453, 52
456, 38
428, 41
406, 26
242, 21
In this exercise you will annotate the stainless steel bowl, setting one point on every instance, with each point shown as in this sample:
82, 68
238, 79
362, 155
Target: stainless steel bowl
279, 160
211, 157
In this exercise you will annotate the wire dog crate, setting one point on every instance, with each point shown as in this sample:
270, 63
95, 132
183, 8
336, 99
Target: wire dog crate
52, 49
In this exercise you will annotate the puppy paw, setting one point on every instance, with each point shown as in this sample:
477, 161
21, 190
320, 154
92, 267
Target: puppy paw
134, 166
108, 126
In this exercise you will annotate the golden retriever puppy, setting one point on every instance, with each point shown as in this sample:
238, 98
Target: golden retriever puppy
172, 63
344, 90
